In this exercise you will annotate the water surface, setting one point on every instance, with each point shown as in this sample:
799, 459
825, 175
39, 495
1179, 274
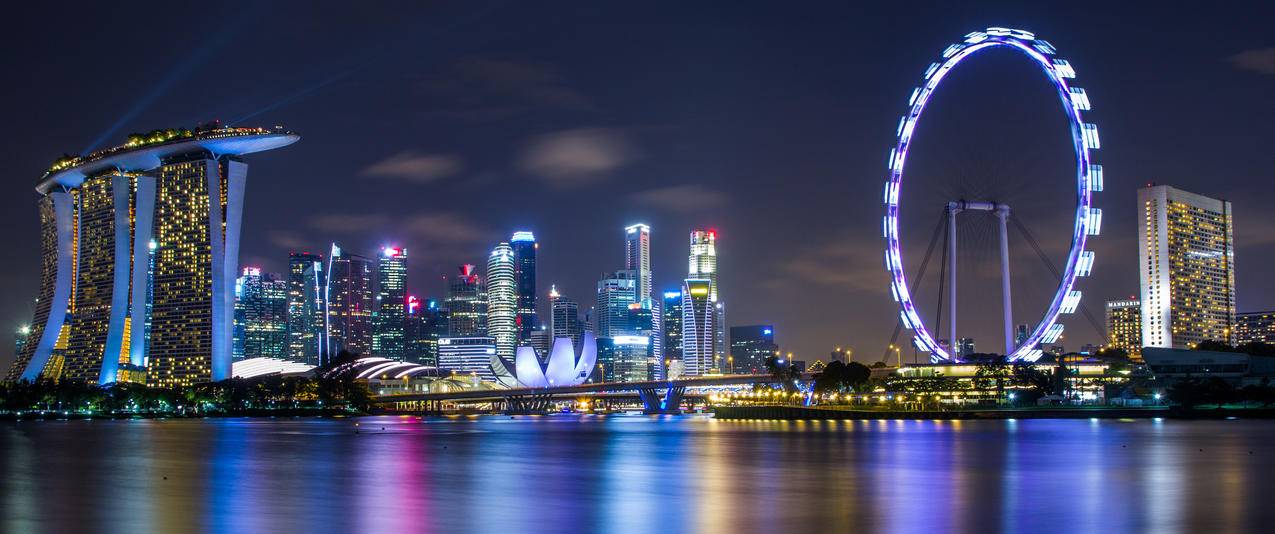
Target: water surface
635, 474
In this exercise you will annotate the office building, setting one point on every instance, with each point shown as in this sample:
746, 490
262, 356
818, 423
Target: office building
564, 318
467, 356
426, 322
698, 327
391, 304
1124, 326
1255, 327
633, 360
502, 300
749, 348
146, 233
466, 304
671, 327
349, 300
1186, 266
307, 282
616, 293
637, 258
261, 316
524, 247
703, 266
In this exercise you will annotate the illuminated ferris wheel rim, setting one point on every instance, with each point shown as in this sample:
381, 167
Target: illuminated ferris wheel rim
1088, 220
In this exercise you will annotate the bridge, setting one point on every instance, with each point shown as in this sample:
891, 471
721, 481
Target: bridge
657, 396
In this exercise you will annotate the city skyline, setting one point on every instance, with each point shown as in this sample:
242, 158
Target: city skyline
821, 290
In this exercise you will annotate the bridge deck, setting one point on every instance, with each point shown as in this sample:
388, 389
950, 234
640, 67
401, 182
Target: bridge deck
602, 387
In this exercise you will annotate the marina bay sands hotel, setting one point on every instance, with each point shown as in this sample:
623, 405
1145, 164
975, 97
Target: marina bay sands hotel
140, 251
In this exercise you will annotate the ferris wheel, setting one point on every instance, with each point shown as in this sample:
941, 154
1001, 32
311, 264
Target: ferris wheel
1088, 219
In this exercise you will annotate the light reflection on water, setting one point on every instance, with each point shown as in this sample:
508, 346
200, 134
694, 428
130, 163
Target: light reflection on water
635, 474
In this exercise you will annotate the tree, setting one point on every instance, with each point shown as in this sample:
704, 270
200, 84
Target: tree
840, 377
993, 372
783, 372
1216, 346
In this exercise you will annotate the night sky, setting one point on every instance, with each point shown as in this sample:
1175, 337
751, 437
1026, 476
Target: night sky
443, 128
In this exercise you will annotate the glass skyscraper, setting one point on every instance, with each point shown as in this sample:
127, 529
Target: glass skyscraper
306, 285
616, 294
466, 304
502, 300
391, 302
637, 258
524, 248
1186, 263
564, 318
349, 300
749, 348
261, 315
703, 266
697, 327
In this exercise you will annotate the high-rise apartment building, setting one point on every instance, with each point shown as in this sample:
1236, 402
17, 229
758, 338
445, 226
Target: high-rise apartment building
1186, 262
749, 348
391, 304
1124, 326
1255, 327
466, 304
307, 282
140, 252
261, 315
349, 300
697, 327
502, 300
524, 248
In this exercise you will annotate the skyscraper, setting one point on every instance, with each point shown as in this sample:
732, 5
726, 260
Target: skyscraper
524, 248
697, 327
1124, 326
615, 294
502, 300
671, 323
750, 346
261, 315
703, 265
391, 302
306, 309
564, 318
466, 304
349, 300
1186, 265
145, 233
637, 258
424, 325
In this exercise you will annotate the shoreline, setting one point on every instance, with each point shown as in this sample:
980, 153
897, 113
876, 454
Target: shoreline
817, 413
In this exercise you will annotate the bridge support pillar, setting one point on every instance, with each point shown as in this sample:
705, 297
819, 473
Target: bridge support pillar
528, 404
661, 401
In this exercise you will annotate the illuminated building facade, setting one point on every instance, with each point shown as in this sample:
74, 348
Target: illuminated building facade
467, 355
391, 303
349, 300
306, 318
524, 248
671, 326
1186, 265
1255, 327
424, 325
502, 300
703, 266
261, 316
749, 348
140, 252
564, 318
466, 304
1124, 326
637, 258
616, 293
697, 327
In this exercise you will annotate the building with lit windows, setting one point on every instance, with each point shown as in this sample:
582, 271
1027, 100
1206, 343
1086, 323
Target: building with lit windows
306, 319
524, 247
671, 326
749, 348
1186, 266
391, 304
1124, 326
349, 300
1255, 327
467, 356
261, 316
698, 327
633, 360
564, 318
616, 293
426, 322
637, 258
146, 233
703, 265
466, 304
502, 300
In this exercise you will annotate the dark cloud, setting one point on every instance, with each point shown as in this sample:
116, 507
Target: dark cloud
414, 166
687, 198
1260, 60
573, 158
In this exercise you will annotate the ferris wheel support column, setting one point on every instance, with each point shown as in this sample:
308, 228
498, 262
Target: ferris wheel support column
1002, 213
952, 209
